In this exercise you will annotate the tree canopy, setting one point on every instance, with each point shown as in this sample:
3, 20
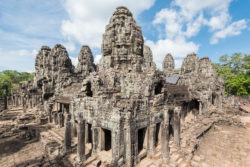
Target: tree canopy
10, 79
235, 70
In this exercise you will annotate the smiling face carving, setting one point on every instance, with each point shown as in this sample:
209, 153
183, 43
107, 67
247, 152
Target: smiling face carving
122, 36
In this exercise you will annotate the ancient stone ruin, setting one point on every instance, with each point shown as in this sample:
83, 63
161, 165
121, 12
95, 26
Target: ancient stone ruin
123, 108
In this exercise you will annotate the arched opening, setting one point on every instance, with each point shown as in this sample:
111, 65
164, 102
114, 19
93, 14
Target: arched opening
158, 88
88, 90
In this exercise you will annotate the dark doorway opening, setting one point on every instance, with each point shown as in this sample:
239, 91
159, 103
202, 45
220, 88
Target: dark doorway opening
66, 108
194, 104
89, 133
213, 99
141, 139
171, 123
88, 90
157, 132
158, 88
107, 140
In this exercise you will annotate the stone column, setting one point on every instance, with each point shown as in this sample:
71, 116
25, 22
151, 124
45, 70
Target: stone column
95, 138
16, 100
165, 137
24, 104
60, 119
54, 118
67, 134
115, 137
177, 124
6, 98
86, 133
152, 130
128, 144
200, 108
101, 141
50, 112
81, 140
30, 100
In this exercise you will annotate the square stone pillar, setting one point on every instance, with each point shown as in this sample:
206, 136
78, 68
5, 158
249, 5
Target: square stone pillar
95, 139
54, 117
67, 133
24, 105
30, 102
115, 137
177, 125
86, 133
60, 119
200, 108
50, 112
128, 144
165, 137
81, 140
152, 131
16, 101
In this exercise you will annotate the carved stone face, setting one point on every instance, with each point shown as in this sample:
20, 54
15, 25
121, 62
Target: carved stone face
138, 48
122, 50
106, 48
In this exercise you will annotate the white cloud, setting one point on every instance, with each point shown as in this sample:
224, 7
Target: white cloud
178, 63
11, 59
70, 46
88, 18
232, 30
74, 60
184, 19
177, 48
97, 59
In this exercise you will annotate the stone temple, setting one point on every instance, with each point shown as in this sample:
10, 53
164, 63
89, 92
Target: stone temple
123, 107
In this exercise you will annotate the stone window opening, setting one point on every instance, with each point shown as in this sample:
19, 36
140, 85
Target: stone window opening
141, 139
158, 88
88, 90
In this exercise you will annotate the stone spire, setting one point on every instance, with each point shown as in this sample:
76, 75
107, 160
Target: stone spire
168, 65
148, 58
122, 45
41, 60
190, 64
206, 69
85, 62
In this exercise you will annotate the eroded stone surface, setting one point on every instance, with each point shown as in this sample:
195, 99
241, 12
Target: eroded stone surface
129, 108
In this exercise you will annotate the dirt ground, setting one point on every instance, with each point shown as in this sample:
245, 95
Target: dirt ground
17, 152
225, 146
222, 146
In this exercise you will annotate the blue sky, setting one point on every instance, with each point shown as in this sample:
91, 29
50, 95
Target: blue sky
209, 28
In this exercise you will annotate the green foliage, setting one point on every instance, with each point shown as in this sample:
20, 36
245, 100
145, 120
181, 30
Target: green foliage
235, 70
10, 79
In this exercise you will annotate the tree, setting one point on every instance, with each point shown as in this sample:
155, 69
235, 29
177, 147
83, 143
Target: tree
10, 79
235, 71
